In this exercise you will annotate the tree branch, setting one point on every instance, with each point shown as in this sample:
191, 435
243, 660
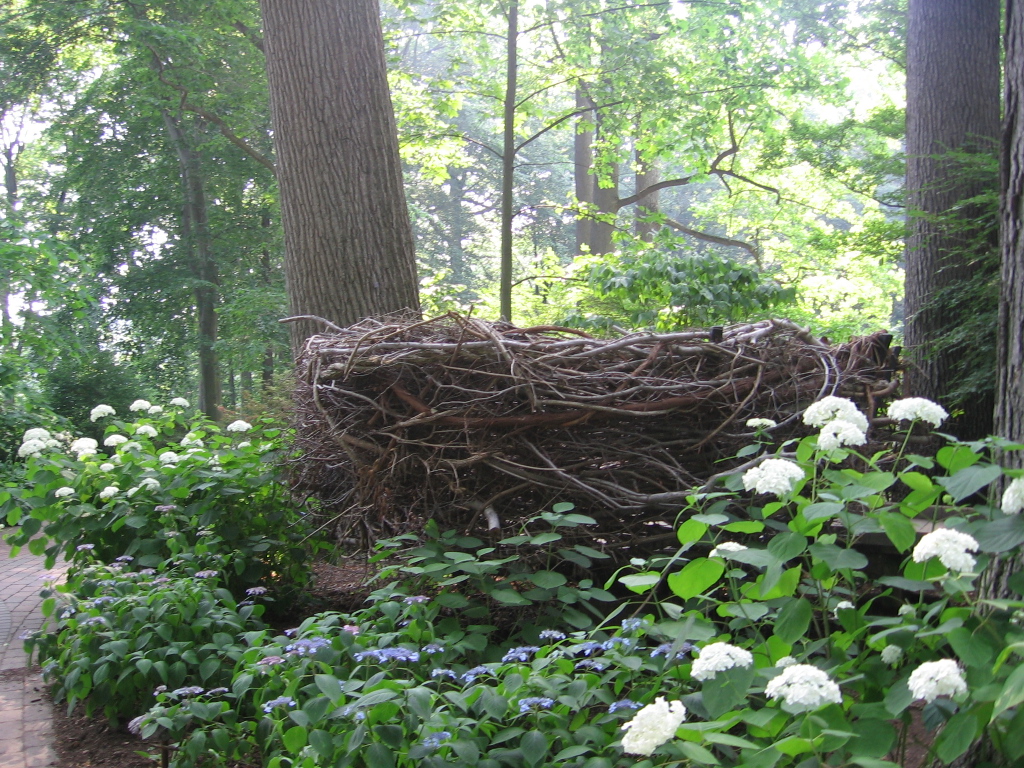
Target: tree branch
751, 249
562, 119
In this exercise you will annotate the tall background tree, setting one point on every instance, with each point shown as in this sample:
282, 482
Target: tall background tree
348, 242
952, 116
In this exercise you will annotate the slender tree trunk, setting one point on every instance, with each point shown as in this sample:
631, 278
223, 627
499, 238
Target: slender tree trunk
457, 225
647, 173
195, 227
583, 162
508, 160
267, 366
606, 201
348, 241
11, 192
952, 105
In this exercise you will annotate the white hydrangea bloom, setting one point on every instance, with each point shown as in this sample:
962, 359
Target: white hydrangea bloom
238, 426
785, 661
891, 655
100, 411
937, 678
52, 443
146, 430
1013, 497
131, 491
840, 432
831, 408
652, 726
140, 405
106, 466
109, 492
84, 446
114, 440
131, 445
169, 457
718, 657
915, 408
60, 493
843, 605
761, 423
31, 448
191, 440
950, 546
777, 476
36, 433
244, 444
906, 610
803, 688
150, 483
155, 410
725, 547
179, 402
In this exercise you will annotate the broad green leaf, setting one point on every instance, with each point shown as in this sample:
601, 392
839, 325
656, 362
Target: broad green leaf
1012, 693
548, 579
970, 480
294, 739
696, 577
899, 529
691, 531
793, 620
956, 736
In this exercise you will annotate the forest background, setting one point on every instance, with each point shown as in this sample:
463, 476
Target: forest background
590, 163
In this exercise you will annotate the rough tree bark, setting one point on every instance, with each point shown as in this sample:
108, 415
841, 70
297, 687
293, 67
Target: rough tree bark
349, 249
952, 105
198, 243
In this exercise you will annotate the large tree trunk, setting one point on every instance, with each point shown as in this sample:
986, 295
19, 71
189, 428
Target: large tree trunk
348, 242
1009, 411
952, 105
198, 242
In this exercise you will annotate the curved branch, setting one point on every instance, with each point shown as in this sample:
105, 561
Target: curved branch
751, 249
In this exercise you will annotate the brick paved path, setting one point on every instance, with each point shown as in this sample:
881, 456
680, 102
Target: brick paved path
26, 733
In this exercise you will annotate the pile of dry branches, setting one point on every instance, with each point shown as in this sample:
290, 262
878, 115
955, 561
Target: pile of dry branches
483, 425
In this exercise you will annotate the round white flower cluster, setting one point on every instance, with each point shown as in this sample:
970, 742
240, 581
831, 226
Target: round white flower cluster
832, 408
238, 426
724, 548
937, 678
777, 476
131, 445
917, 408
35, 441
840, 421
838, 433
191, 440
60, 493
179, 402
100, 411
150, 483
802, 688
761, 423
785, 661
112, 441
84, 446
718, 657
155, 410
109, 492
106, 466
140, 405
146, 430
950, 546
1013, 497
652, 726
891, 655
169, 457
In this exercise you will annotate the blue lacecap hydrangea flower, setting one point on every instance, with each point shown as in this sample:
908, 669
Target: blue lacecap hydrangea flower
432, 648
434, 740
280, 701
388, 654
589, 648
188, 690
472, 674
632, 625
592, 664
307, 646
665, 649
534, 703
623, 704
441, 672
522, 653
415, 599
627, 643
552, 634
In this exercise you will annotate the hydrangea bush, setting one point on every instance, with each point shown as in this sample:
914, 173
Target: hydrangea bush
767, 639
153, 487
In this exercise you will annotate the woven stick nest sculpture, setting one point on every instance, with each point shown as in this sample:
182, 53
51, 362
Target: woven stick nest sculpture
482, 425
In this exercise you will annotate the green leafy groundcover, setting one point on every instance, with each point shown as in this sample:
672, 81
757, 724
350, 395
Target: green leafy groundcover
759, 642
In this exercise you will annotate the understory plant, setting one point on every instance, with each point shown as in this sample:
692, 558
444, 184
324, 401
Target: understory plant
153, 487
774, 635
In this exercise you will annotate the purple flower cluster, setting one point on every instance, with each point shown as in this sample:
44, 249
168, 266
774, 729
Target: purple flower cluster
534, 703
623, 704
280, 701
434, 740
306, 646
256, 591
522, 653
552, 634
472, 674
665, 649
